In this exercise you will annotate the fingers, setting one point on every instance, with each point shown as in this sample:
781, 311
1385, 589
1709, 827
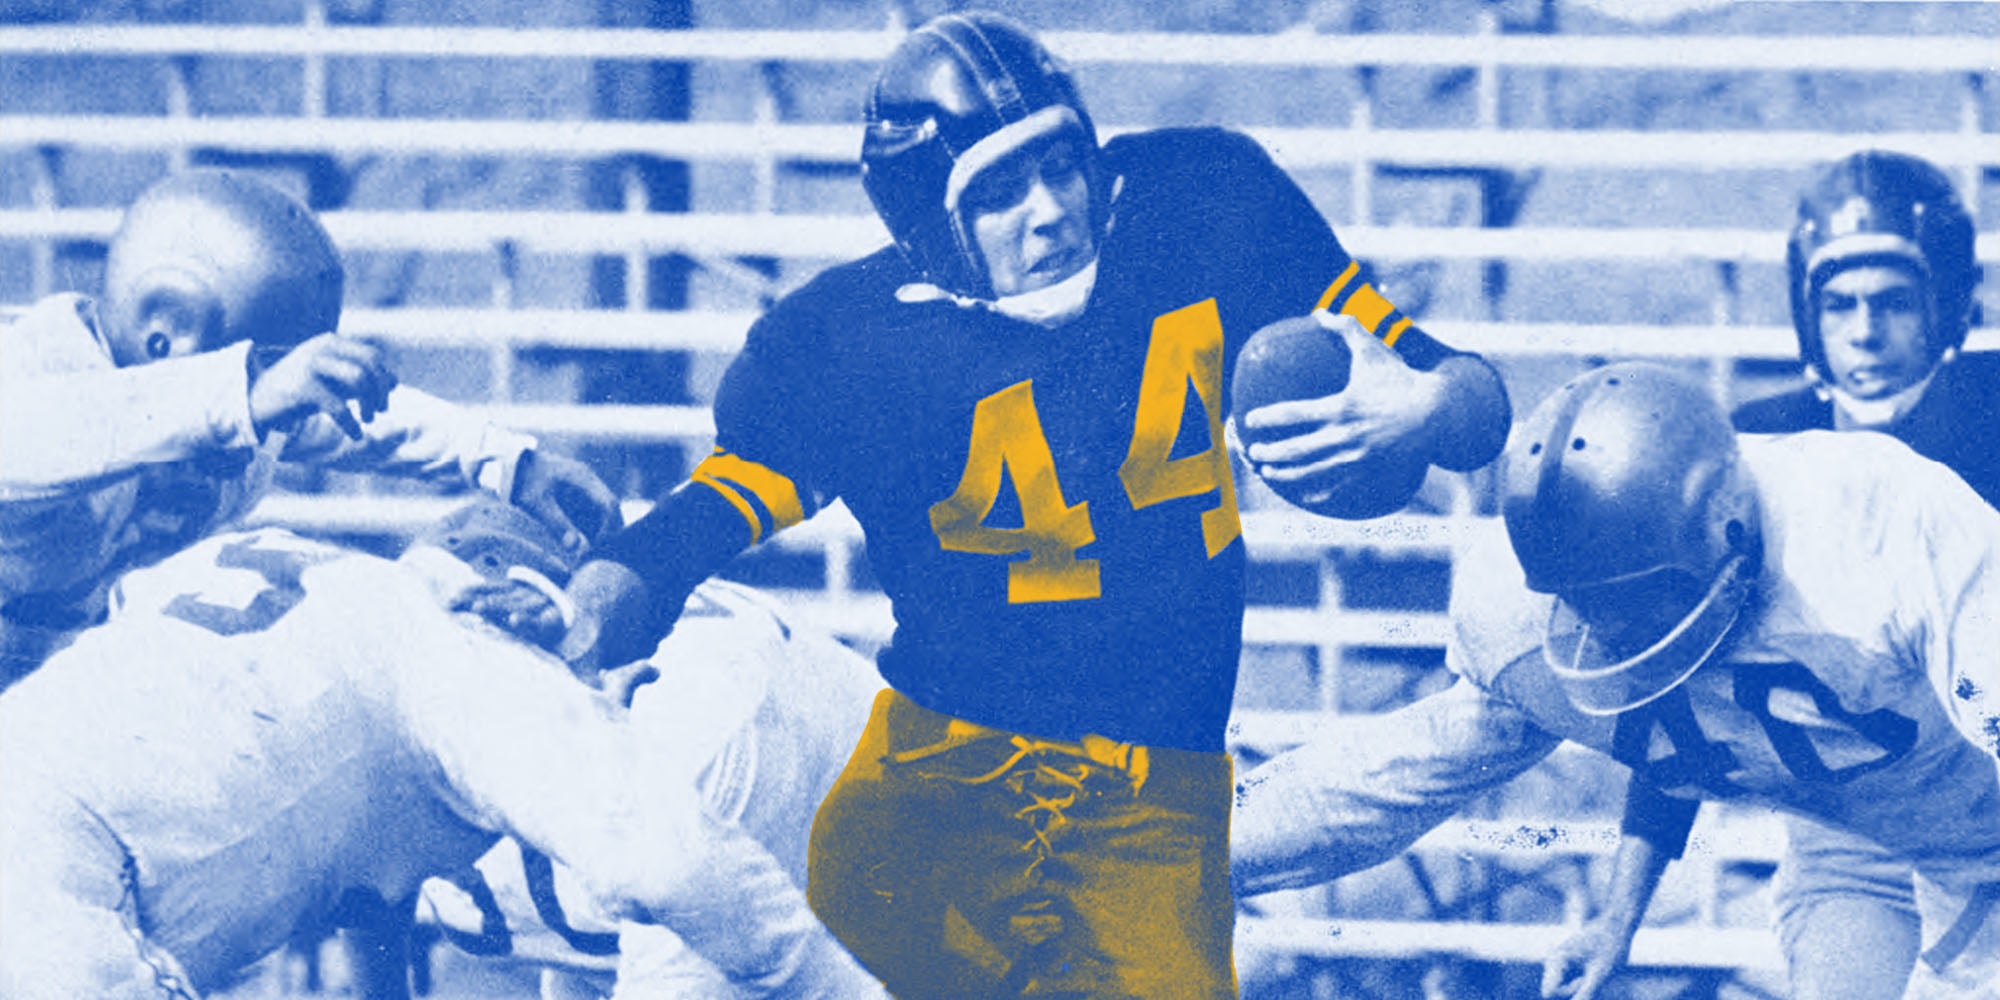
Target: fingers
355, 369
1557, 976
546, 510
325, 374
1336, 442
568, 496
1553, 978
1325, 409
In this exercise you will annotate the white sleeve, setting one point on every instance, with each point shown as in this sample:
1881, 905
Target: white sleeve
520, 747
1374, 784
420, 436
1951, 611
67, 432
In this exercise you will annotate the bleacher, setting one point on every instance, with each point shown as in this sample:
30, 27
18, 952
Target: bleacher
1537, 181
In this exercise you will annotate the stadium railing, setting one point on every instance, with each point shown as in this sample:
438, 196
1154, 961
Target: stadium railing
1358, 145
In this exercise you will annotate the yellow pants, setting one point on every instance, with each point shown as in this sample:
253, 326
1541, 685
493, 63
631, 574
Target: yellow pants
960, 861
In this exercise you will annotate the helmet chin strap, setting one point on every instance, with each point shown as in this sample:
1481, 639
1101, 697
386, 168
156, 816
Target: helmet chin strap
1851, 412
1048, 307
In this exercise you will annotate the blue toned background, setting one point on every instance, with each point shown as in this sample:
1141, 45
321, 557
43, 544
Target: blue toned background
569, 210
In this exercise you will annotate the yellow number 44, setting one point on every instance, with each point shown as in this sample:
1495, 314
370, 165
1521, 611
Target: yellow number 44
1007, 438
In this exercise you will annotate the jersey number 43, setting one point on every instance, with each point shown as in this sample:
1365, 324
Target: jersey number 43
1186, 348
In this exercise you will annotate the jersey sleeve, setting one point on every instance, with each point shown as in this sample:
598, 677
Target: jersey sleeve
1373, 785
1307, 269
70, 419
771, 419
419, 436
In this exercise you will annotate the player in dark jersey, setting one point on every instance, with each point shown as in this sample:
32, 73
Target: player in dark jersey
1022, 404
1882, 272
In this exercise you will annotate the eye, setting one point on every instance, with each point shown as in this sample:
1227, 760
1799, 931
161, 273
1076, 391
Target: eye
158, 346
996, 190
1060, 165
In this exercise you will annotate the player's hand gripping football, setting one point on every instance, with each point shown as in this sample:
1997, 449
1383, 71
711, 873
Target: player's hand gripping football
322, 375
567, 496
1581, 965
1384, 411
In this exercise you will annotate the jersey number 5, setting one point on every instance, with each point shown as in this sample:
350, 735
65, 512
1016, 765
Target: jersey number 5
1186, 349
280, 569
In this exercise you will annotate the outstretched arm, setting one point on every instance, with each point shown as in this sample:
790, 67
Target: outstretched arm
1655, 832
1373, 785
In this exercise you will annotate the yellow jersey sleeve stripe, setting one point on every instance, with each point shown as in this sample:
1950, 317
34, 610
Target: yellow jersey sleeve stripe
1396, 331
771, 489
735, 500
1368, 307
1333, 291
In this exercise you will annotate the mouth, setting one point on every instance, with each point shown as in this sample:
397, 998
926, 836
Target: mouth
1057, 263
1870, 376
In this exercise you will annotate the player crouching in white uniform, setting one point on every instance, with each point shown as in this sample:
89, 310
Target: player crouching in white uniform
775, 735
266, 723
210, 357
1809, 621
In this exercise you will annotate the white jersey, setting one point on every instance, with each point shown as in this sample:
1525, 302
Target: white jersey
75, 429
775, 734
1860, 688
1863, 685
267, 722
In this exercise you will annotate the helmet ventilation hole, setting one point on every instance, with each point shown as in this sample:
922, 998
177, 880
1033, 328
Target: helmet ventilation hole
1576, 445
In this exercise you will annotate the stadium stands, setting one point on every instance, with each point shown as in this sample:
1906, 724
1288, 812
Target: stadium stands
1556, 186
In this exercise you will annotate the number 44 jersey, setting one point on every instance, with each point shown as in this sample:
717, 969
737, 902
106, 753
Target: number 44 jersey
1862, 686
1051, 511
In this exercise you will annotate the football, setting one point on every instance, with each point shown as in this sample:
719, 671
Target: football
1296, 359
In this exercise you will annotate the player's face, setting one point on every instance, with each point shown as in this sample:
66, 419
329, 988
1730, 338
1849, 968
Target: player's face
1030, 215
1627, 617
1871, 326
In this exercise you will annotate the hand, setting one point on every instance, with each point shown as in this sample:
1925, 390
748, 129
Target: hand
1384, 410
322, 375
566, 495
615, 619
520, 608
1584, 962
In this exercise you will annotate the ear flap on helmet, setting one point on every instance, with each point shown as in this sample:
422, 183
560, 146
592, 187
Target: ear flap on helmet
959, 93
1877, 206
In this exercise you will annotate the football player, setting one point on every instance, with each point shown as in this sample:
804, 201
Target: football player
1022, 403
266, 725
1808, 621
210, 357
1882, 272
775, 736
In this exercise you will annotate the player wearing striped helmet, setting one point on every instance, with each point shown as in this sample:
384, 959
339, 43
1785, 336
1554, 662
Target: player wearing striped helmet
1807, 621
267, 726
1022, 403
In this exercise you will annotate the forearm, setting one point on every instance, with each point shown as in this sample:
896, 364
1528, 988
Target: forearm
1368, 789
1469, 416
419, 436
1635, 874
689, 535
64, 431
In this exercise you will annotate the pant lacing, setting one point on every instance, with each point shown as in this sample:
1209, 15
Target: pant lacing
1053, 775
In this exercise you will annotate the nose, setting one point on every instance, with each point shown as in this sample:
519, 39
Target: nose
1867, 325
1044, 210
